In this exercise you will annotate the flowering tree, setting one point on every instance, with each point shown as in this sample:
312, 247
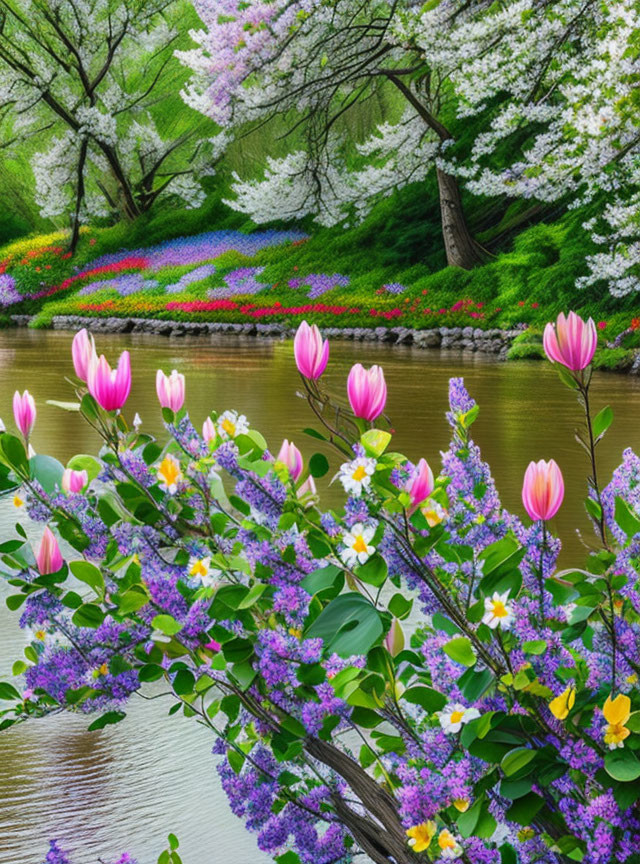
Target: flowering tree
557, 83
410, 677
80, 76
316, 61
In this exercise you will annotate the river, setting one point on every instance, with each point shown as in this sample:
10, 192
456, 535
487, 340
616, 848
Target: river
127, 786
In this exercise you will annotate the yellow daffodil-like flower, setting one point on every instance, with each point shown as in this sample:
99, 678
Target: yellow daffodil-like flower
616, 712
448, 844
433, 513
562, 704
420, 836
17, 501
169, 473
199, 566
461, 804
40, 635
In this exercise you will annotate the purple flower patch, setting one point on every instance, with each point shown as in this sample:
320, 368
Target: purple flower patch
319, 283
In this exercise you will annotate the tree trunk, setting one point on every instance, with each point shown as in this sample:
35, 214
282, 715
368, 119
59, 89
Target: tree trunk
75, 228
385, 840
461, 248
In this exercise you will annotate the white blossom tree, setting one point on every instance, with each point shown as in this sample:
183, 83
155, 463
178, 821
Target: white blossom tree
80, 76
313, 61
556, 83
547, 84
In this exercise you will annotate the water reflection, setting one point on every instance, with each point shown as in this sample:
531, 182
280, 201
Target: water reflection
127, 786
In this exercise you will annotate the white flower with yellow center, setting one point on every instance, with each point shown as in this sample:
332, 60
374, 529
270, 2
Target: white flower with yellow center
358, 548
433, 512
169, 474
231, 424
356, 476
453, 717
449, 846
497, 612
200, 569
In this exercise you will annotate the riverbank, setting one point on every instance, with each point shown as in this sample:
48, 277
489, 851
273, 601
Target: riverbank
517, 343
265, 282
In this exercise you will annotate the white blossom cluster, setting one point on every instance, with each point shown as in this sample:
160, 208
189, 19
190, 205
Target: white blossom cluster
551, 84
80, 76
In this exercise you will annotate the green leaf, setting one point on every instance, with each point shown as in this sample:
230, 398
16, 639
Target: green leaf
428, 698
349, 624
318, 465
602, 421
107, 719
373, 572
132, 600
626, 518
622, 765
253, 596
74, 407
166, 624
47, 471
322, 579
517, 759
460, 650
534, 646
375, 442
400, 606
8, 692
14, 452
88, 615
525, 809
89, 574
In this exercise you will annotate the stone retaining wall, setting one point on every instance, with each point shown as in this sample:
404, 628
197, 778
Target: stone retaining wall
492, 341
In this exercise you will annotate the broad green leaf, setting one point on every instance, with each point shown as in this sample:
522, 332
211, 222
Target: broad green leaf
166, 624
89, 574
460, 650
349, 624
516, 760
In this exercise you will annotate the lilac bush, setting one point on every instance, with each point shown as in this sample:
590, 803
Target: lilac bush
409, 677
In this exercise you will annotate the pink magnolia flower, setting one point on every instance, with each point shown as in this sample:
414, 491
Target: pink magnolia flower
394, 640
542, 490
110, 388
367, 391
49, 558
292, 458
213, 645
308, 487
170, 389
311, 353
208, 430
24, 412
74, 481
83, 350
571, 341
420, 484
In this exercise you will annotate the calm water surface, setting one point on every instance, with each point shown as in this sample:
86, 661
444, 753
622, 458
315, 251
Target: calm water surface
127, 786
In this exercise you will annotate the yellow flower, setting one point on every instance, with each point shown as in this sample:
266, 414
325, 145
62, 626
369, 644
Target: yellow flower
17, 501
616, 712
448, 844
461, 804
170, 474
104, 669
525, 834
199, 567
632, 679
293, 631
562, 704
420, 836
41, 635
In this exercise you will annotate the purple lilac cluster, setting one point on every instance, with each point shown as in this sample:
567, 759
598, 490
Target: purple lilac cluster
198, 274
201, 247
125, 285
9, 294
240, 281
306, 828
394, 288
57, 855
319, 283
